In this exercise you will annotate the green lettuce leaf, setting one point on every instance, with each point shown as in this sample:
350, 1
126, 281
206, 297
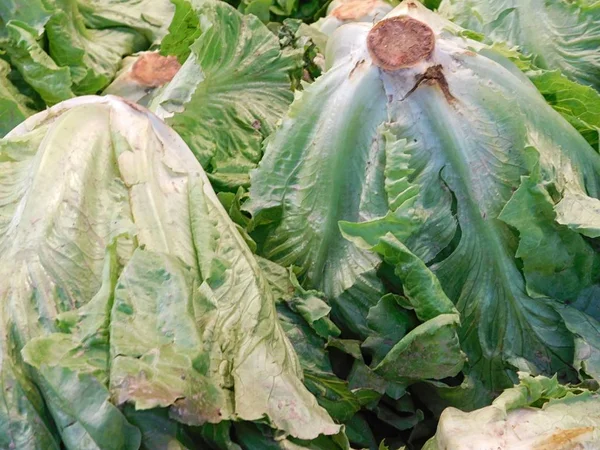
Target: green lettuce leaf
277, 10
150, 18
65, 48
183, 31
439, 156
34, 12
577, 103
321, 167
436, 337
130, 285
52, 82
230, 92
14, 106
557, 34
92, 56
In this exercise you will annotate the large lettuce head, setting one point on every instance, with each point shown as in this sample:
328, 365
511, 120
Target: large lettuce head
125, 287
422, 141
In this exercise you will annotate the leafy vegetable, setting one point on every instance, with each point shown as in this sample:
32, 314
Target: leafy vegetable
14, 106
129, 284
405, 231
577, 103
141, 75
448, 149
557, 34
85, 41
183, 31
281, 9
230, 92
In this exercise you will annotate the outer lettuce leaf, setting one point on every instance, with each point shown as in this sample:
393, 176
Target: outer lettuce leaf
306, 10
304, 318
52, 82
183, 31
321, 167
258, 438
86, 41
537, 413
577, 103
150, 18
56, 265
160, 432
92, 56
574, 263
36, 13
230, 92
557, 34
14, 106
438, 177
436, 337
129, 262
587, 341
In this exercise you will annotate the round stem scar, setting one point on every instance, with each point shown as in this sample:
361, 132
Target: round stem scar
400, 42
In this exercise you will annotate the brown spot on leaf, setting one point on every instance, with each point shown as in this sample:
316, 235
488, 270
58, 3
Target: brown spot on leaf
256, 124
153, 70
434, 75
400, 42
356, 66
354, 9
565, 439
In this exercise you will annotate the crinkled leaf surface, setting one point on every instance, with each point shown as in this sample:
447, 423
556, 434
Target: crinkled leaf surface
431, 349
92, 56
123, 263
321, 167
34, 12
229, 94
52, 82
183, 31
437, 176
559, 34
150, 18
577, 103
56, 265
64, 48
537, 413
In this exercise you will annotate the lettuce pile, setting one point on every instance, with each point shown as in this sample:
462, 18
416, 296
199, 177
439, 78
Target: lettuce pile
234, 230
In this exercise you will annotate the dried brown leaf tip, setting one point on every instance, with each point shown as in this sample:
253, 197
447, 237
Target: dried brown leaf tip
154, 70
400, 42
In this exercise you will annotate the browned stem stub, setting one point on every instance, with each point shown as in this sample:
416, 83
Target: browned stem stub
153, 70
400, 42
